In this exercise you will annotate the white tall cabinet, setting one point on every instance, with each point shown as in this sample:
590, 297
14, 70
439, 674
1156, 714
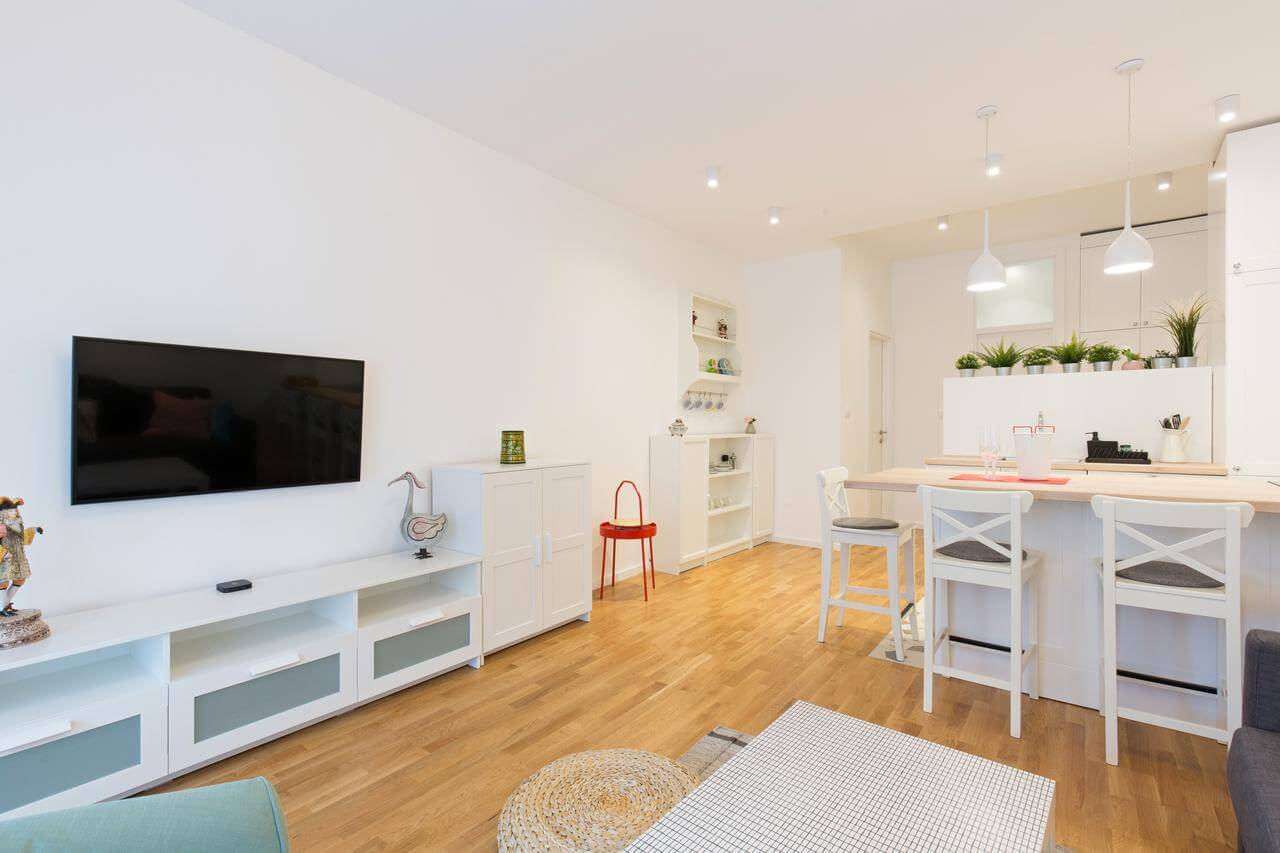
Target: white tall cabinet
1244, 205
706, 514
531, 525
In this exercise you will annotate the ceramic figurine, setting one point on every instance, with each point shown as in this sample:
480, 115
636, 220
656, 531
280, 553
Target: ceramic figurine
17, 627
751, 425
695, 318
722, 328
678, 427
418, 528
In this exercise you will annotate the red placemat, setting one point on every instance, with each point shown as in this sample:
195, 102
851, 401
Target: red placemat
1011, 478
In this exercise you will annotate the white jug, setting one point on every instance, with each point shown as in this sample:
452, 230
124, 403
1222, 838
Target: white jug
1175, 445
1032, 452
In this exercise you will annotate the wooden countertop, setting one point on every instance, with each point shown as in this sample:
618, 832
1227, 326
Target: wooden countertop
1264, 496
1204, 469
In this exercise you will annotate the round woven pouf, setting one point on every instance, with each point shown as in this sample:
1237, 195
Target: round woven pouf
598, 800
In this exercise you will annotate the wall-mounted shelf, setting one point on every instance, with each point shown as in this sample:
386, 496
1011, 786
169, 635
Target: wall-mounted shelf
701, 342
716, 475
707, 335
718, 378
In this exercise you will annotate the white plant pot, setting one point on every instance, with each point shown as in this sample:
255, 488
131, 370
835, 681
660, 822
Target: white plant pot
1102, 365
1071, 368
1003, 371
968, 371
1035, 369
1186, 361
1161, 363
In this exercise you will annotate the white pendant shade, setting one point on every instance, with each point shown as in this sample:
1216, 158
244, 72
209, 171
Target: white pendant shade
986, 273
1129, 251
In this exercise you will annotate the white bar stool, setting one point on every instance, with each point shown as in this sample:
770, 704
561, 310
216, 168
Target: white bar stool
969, 556
1167, 578
838, 527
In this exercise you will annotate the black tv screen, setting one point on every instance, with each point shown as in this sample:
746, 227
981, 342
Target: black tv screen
157, 420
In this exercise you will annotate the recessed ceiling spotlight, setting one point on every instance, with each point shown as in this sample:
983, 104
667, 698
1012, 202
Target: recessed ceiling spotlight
944, 222
991, 161
713, 177
1218, 175
775, 216
1227, 108
1164, 181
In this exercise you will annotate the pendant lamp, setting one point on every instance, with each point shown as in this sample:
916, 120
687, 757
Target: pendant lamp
986, 273
1129, 252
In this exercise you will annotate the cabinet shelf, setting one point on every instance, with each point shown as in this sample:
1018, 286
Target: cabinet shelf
30, 699
713, 336
725, 510
707, 300
405, 603
241, 643
717, 378
716, 475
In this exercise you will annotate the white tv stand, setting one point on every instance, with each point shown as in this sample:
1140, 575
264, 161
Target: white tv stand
121, 698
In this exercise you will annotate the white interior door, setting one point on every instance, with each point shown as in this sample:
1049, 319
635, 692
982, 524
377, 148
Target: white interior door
513, 535
566, 547
876, 429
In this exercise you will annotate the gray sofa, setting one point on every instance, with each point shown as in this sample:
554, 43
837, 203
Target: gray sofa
1253, 760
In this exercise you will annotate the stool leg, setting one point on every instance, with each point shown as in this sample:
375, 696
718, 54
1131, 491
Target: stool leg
1015, 656
644, 577
653, 567
824, 596
1109, 671
613, 567
911, 588
895, 599
1033, 630
1235, 699
604, 552
944, 601
844, 580
930, 633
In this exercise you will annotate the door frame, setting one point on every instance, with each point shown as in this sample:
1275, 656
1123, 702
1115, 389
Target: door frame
885, 343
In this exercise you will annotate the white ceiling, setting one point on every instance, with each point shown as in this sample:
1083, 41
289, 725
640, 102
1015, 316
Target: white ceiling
848, 114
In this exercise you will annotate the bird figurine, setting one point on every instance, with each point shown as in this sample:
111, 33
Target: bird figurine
416, 527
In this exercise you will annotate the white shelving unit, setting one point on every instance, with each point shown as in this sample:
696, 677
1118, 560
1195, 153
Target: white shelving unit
121, 698
700, 340
704, 514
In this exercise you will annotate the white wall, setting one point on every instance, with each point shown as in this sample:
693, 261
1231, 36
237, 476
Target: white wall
793, 321
165, 177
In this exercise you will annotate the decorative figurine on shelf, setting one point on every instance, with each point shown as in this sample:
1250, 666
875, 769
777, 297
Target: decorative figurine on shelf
678, 427
17, 627
695, 318
722, 328
711, 366
751, 425
416, 527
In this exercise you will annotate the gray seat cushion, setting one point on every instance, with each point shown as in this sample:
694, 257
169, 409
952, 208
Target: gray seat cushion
1167, 573
857, 523
1253, 778
971, 549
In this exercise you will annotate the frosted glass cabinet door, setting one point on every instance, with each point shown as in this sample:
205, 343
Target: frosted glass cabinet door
88, 754
566, 548
512, 553
214, 713
1107, 301
406, 649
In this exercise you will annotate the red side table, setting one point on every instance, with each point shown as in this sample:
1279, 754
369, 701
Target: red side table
628, 528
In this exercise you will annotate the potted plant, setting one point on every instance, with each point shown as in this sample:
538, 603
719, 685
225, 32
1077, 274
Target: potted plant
1003, 357
1103, 356
1133, 361
1181, 323
968, 364
1070, 354
1036, 359
1161, 359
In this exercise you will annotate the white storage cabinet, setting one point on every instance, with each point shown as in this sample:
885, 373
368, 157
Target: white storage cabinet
531, 524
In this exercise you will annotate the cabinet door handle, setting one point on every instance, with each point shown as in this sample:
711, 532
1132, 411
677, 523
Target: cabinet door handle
426, 618
1135, 322
547, 548
32, 735
267, 666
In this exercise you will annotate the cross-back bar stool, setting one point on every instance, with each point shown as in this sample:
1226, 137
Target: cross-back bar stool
840, 528
1167, 577
970, 555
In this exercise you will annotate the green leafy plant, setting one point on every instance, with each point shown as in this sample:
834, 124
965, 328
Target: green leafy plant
1001, 355
1181, 323
1073, 351
1130, 355
1037, 356
1103, 352
968, 361
1162, 353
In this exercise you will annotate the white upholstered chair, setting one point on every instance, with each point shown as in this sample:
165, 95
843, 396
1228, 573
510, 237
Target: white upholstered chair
1167, 577
841, 529
968, 554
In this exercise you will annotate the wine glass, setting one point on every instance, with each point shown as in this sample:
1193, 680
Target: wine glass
989, 450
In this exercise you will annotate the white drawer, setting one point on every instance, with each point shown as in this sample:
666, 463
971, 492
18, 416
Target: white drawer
88, 754
216, 712
417, 645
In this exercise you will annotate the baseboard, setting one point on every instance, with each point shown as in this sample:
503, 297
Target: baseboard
624, 572
790, 540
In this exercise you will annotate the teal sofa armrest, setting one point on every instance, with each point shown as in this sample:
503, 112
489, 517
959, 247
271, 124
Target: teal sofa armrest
238, 816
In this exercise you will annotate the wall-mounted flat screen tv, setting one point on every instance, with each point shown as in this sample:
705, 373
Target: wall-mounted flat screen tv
156, 420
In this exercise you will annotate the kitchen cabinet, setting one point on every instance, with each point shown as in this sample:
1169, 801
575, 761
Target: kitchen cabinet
530, 524
705, 512
1248, 172
1110, 303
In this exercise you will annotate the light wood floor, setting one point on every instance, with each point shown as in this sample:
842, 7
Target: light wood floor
729, 644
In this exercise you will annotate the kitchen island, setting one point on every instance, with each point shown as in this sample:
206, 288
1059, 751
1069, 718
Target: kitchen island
1152, 645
